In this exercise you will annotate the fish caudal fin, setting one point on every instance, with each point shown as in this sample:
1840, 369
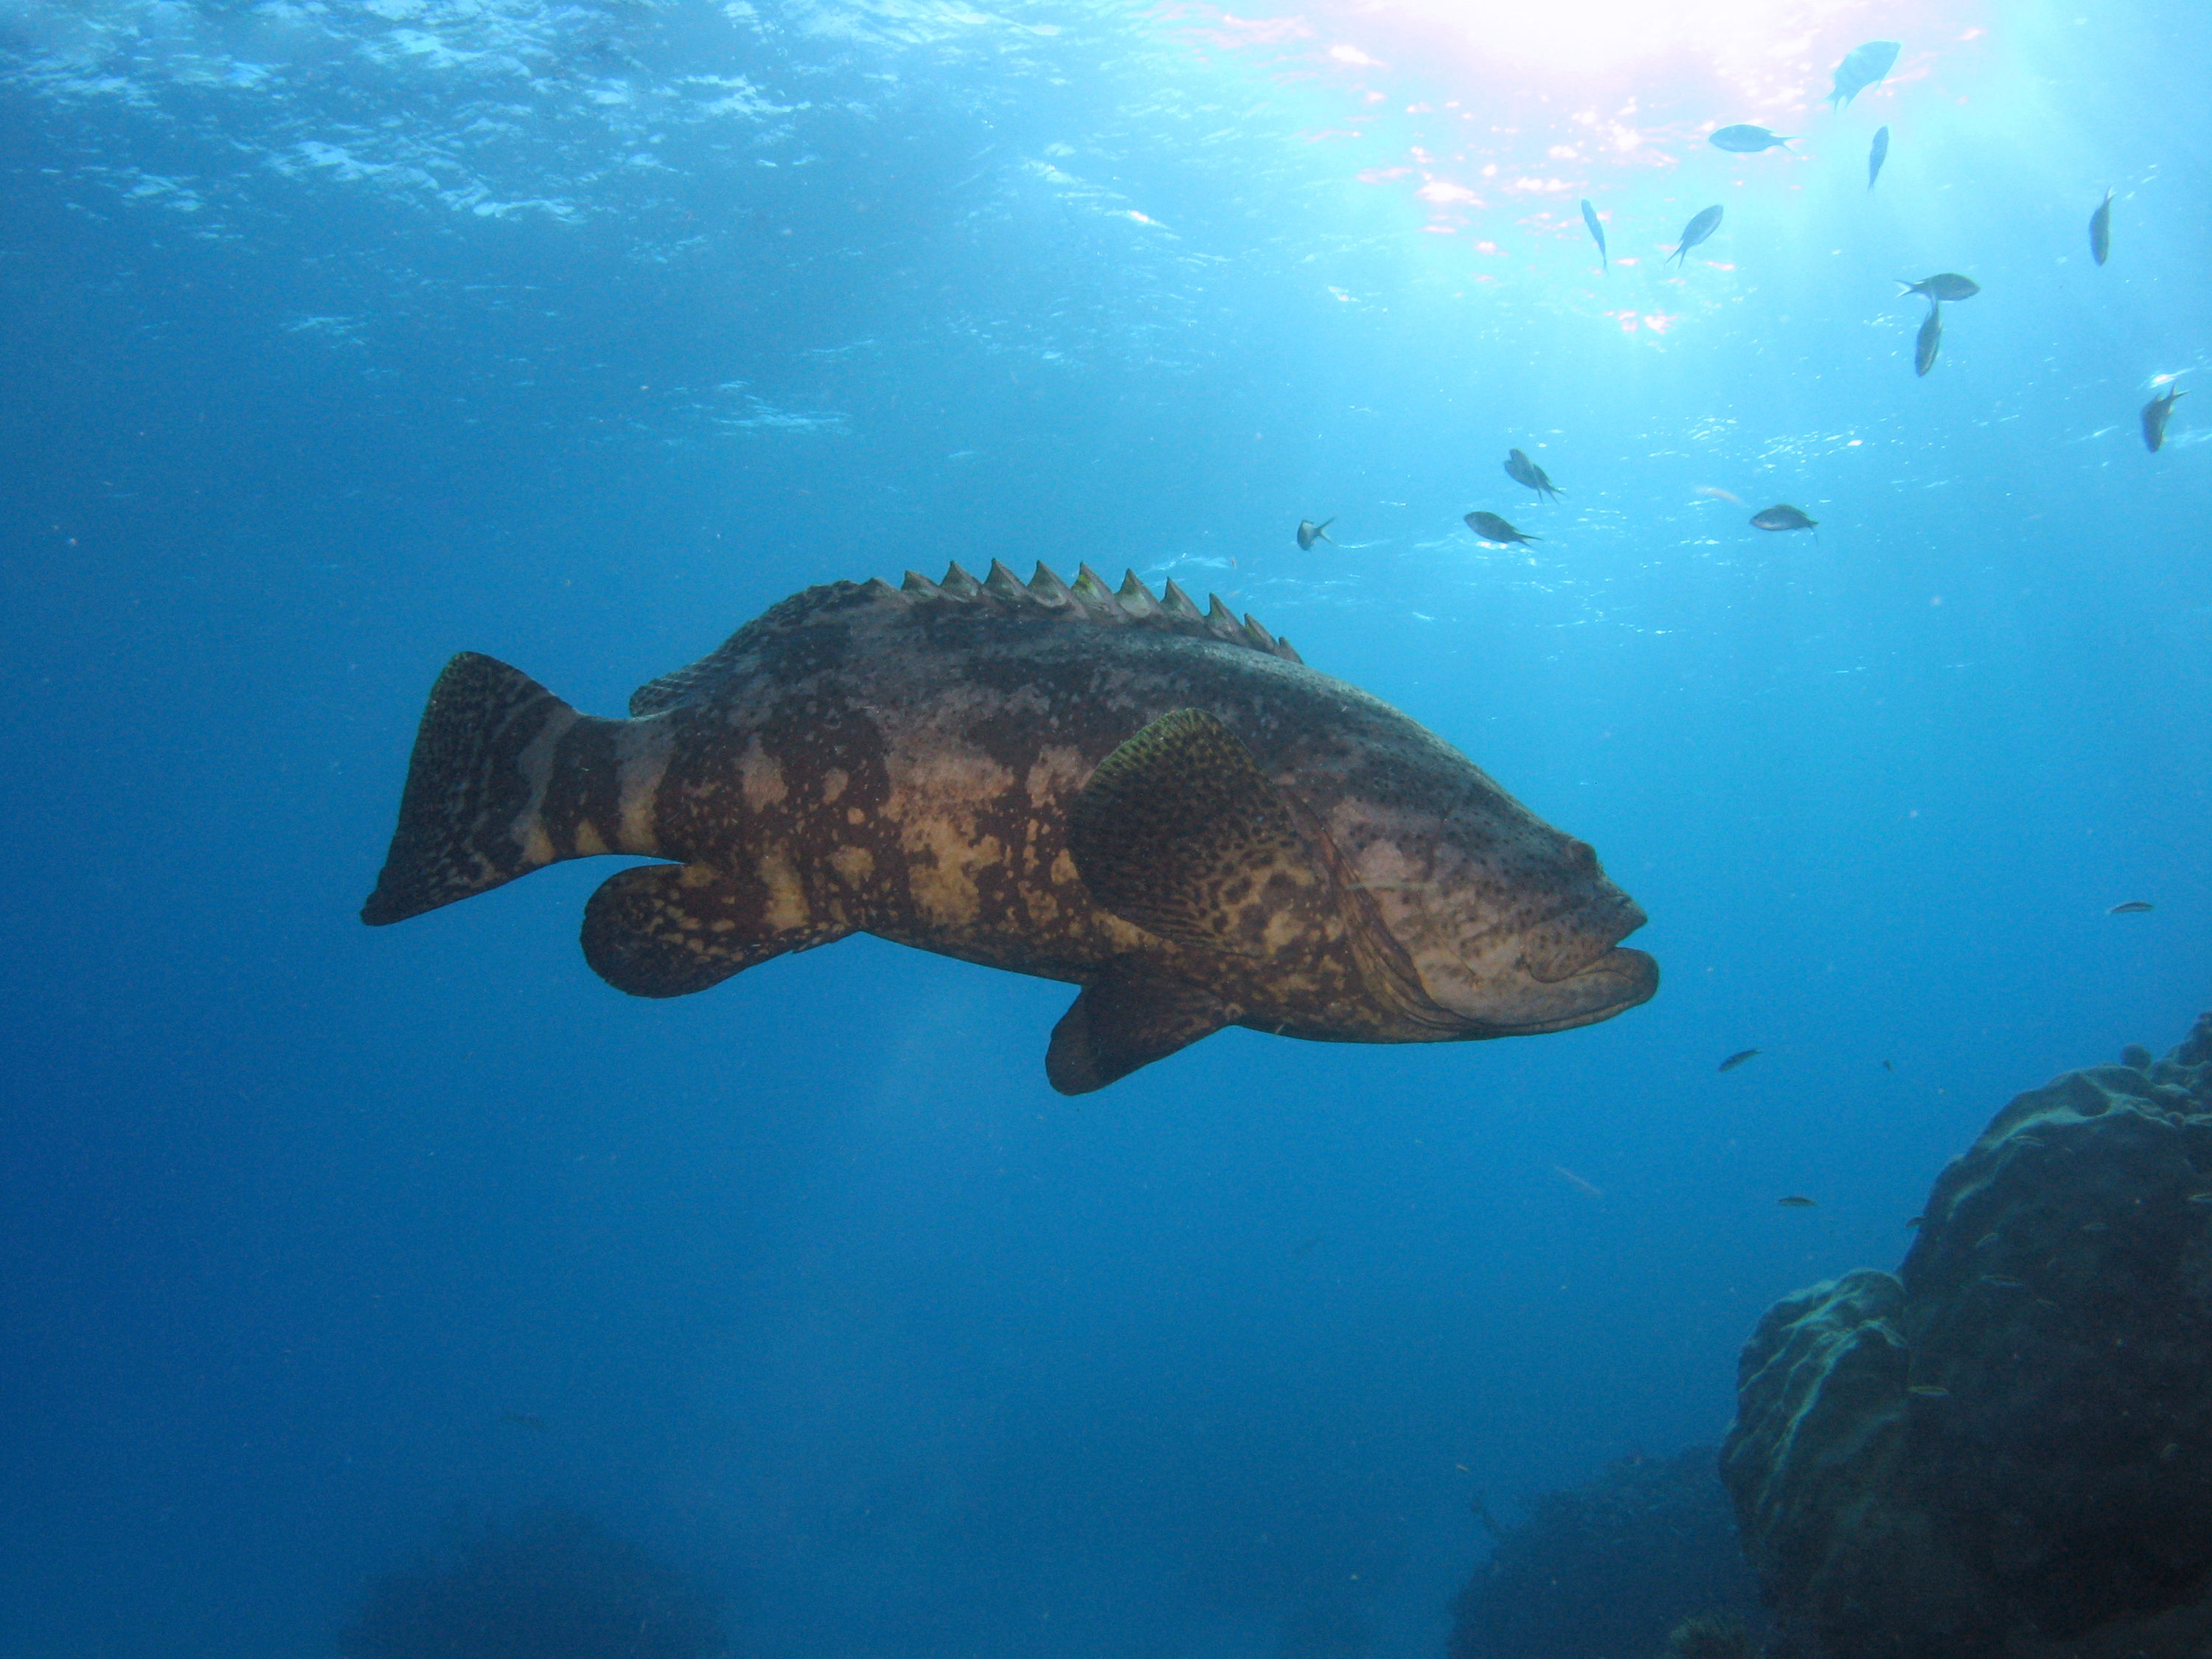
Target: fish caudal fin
471, 817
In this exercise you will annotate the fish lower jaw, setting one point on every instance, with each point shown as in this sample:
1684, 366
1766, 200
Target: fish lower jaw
1618, 981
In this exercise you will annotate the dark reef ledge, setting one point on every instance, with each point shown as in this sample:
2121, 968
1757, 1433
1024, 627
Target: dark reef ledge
2005, 1451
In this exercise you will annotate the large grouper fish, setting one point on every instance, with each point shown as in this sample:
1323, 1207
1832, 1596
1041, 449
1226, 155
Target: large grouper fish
1162, 805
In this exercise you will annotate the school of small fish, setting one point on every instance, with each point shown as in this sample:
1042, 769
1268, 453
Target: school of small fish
1864, 66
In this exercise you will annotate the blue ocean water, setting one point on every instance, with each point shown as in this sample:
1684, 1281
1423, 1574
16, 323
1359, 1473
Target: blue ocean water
342, 335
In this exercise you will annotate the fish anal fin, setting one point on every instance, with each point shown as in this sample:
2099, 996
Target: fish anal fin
1180, 833
666, 930
1129, 1017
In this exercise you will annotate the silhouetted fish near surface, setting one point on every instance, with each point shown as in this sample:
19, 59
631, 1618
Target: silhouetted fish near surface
1310, 532
1862, 67
1747, 140
1943, 285
2131, 907
1738, 1058
1876, 155
1795, 1202
2155, 414
1492, 528
1159, 804
1931, 340
1782, 516
2101, 229
1597, 230
1523, 471
1696, 231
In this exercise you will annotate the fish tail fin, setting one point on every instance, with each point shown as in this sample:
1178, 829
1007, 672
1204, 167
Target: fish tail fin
469, 817
1321, 530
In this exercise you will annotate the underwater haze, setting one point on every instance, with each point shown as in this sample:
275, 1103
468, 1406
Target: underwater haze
341, 335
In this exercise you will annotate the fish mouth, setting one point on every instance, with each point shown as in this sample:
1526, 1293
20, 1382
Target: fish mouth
1569, 945
1616, 982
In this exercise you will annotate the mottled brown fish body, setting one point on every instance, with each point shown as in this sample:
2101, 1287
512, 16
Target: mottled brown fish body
1162, 805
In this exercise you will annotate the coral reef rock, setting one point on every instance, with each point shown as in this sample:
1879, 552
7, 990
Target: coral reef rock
2005, 1451
1606, 1570
552, 1585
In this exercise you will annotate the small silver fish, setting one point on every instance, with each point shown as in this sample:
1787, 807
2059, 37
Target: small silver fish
1310, 532
2002, 1282
1929, 1391
1492, 528
1736, 1059
2155, 414
1931, 341
1696, 231
1795, 1202
2131, 907
2101, 229
1597, 230
1877, 156
1782, 516
2200, 1197
1862, 67
1576, 1180
1747, 140
1523, 471
1943, 285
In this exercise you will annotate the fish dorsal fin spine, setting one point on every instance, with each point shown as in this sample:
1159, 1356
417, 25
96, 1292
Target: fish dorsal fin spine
1046, 589
1088, 599
1136, 600
1096, 597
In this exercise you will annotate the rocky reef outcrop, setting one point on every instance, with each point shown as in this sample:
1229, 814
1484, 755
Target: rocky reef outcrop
1606, 1570
551, 1584
2005, 1450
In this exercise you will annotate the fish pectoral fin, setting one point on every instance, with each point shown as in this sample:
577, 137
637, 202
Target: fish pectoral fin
666, 930
1181, 834
1126, 1017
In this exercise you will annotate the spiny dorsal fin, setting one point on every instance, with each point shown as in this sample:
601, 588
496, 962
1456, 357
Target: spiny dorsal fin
1177, 604
1046, 589
1136, 600
1089, 599
1045, 596
1092, 593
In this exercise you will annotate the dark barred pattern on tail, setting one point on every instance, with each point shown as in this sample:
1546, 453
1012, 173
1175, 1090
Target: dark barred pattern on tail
467, 814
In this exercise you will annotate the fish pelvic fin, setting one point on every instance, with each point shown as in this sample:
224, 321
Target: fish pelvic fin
1127, 1016
505, 778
